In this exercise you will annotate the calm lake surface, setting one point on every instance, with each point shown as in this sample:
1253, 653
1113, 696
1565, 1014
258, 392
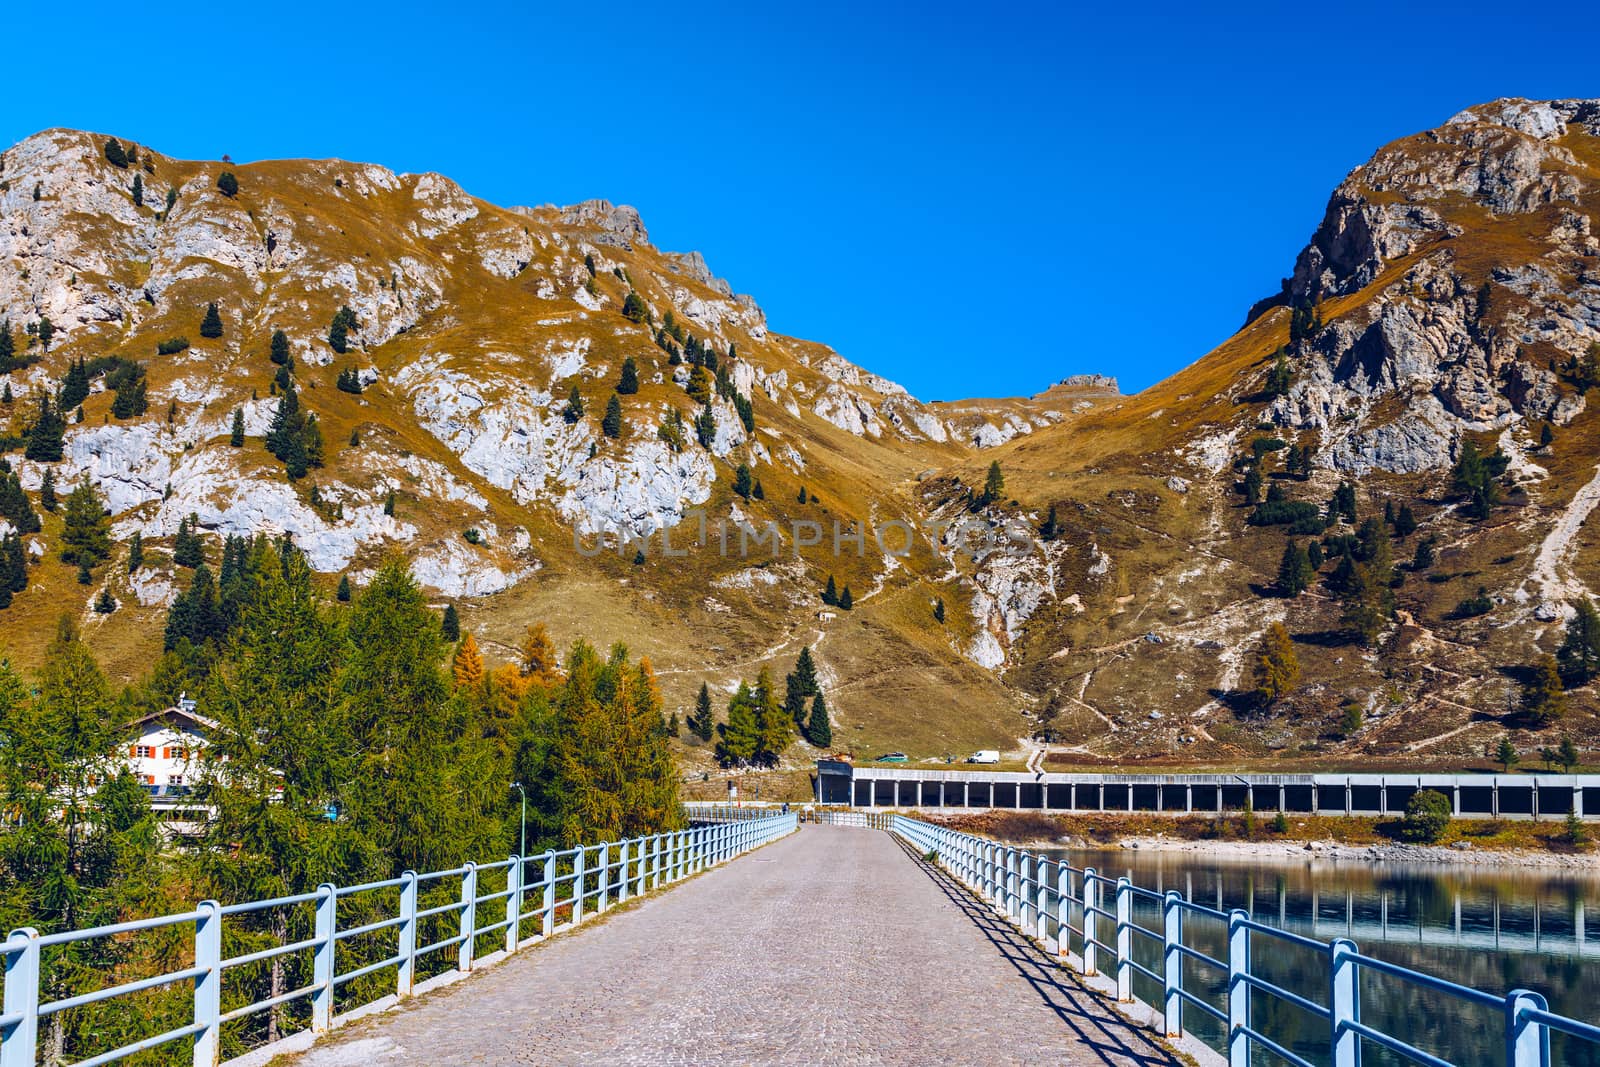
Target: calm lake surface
1494, 930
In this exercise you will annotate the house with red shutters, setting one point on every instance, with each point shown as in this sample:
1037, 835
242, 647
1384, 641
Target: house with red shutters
164, 750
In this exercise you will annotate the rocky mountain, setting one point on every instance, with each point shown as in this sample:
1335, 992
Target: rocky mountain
1110, 598
445, 413
1449, 298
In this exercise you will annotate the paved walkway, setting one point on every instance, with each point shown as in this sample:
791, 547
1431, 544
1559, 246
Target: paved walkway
832, 946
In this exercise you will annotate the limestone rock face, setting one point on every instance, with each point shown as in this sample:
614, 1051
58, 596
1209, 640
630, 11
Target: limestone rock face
1462, 348
619, 225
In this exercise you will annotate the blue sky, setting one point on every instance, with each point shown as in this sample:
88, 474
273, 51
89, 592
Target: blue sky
970, 199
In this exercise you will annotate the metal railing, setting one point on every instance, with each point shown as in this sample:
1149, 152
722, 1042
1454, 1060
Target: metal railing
719, 811
1035, 893
564, 889
872, 820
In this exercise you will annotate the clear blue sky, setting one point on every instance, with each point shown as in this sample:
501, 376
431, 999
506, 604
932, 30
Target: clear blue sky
971, 199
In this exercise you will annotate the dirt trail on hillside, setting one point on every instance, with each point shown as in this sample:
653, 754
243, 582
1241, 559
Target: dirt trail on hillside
1557, 547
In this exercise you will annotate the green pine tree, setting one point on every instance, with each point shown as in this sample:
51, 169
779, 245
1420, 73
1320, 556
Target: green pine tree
188, 550
702, 722
228, 184
47, 490
344, 320
799, 686
1579, 655
775, 728
1280, 376
818, 730
574, 409
279, 353
211, 324
44, 437
611, 423
741, 738
1294, 571
705, 427
450, 624
628, 383
1368, 603
1543, 699
236, 435
74, 387
86, 528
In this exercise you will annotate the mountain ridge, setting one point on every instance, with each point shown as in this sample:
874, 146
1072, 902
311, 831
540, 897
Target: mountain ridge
1119, 572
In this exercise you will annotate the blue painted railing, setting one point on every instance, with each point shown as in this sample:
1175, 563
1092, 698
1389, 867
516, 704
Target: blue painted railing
1034, 893
571, 886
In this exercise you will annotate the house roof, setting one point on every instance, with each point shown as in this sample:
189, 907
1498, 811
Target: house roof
178, 712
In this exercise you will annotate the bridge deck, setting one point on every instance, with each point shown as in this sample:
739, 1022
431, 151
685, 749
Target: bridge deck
833, 945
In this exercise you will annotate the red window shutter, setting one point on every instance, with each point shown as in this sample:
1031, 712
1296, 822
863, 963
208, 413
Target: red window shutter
166, 752
133, 750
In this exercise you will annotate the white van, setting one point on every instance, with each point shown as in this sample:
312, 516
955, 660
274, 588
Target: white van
987, 755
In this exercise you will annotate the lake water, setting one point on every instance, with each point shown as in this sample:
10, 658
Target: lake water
1495, 931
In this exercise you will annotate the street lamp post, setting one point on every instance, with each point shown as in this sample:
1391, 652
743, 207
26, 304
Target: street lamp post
522, 841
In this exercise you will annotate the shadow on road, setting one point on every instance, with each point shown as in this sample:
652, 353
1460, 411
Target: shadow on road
1091, 1016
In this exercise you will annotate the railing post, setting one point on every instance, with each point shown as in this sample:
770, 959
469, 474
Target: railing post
1238, 989
469, 918
1344, 1002
407, 949
322, 957
1041, 907
1013, 883
1063, 910
622, 873
1091, 921
644, 865
1172, 962
1026, 910
1527, 1041
549, 892
514, 904
605, 880
19, 1044
1124, 940
208, 985
577, 885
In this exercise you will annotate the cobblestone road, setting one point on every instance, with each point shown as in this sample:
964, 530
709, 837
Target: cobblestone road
832, 946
